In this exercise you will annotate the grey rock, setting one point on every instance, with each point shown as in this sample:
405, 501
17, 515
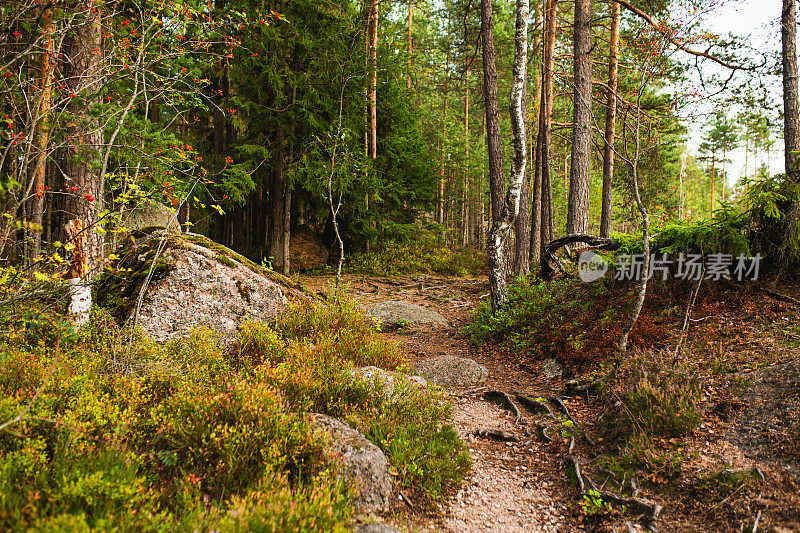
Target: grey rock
374, 375
552, 369
396, 313
452, 371
364, 467
377, 527
193, 286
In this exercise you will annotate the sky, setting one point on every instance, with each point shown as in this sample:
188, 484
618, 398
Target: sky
758, 21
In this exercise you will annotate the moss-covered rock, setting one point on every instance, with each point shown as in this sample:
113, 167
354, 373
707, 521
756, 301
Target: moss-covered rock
189, 281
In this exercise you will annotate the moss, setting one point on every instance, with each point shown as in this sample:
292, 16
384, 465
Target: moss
226, 261
118, 288
244, 291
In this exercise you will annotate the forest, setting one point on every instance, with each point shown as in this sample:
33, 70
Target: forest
540, 256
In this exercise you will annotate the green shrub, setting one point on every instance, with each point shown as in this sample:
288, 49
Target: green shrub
428, 257
192, 437
655, 394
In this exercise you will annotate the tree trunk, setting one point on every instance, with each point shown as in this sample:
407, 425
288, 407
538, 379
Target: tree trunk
791, 101
522, 224
503, 217
280, 203
611, 115
84, 188
42, 132
465, 191
541, 222
410, 21
578, 204
444, 144
373, 80
713, 180
791, 124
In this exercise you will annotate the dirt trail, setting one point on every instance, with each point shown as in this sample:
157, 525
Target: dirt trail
521, 485
513, 486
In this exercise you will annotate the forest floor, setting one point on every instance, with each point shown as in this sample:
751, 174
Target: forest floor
750, 345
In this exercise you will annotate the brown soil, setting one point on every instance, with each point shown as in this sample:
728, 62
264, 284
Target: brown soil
738, 340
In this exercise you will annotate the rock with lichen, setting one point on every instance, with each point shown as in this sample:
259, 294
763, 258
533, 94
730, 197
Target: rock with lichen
185, 281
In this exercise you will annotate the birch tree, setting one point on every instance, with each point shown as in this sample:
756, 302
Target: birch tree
504, 213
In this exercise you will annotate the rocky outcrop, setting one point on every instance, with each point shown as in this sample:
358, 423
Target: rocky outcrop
399, 313
306, 250
451, 371
374, 376
189, 281
363, 466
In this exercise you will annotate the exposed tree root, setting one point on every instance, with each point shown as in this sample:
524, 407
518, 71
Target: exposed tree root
536, 406
557, 401
495, 434
505, 401
650, 510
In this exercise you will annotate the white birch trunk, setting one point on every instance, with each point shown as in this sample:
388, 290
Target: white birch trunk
502, 225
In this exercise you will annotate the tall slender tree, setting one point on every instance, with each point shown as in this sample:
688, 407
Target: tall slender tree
578, 206
611, 115
541, 217
503, 218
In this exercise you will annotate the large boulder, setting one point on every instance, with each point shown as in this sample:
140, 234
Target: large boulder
148, 215
399, 313
452, 371
189, 281
306, 250
363, 466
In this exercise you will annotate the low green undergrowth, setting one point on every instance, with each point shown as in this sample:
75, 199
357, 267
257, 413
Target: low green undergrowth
426, 257
101, 434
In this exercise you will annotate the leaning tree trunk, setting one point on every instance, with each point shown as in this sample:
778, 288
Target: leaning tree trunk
83, 184
791, 127
578, 205
611, 115
504, 218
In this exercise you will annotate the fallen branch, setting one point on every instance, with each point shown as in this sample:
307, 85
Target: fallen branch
780, 297
547, 261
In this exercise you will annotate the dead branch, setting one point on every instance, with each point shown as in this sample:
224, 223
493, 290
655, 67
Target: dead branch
548, 263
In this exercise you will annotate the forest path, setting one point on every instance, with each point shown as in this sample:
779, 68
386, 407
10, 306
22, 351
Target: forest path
515, 485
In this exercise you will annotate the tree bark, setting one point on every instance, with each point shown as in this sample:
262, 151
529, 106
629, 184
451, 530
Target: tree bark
791, 125
410, 22
578, 204
280, 203
503, 218
42, 132
522, 224
465, 191
373, 80
541, 220
444, 143
611, 115
84, 187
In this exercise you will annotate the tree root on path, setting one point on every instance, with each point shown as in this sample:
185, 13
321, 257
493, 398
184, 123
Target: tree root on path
495, 434
649, 511
536, 406
557, 401
505, 401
